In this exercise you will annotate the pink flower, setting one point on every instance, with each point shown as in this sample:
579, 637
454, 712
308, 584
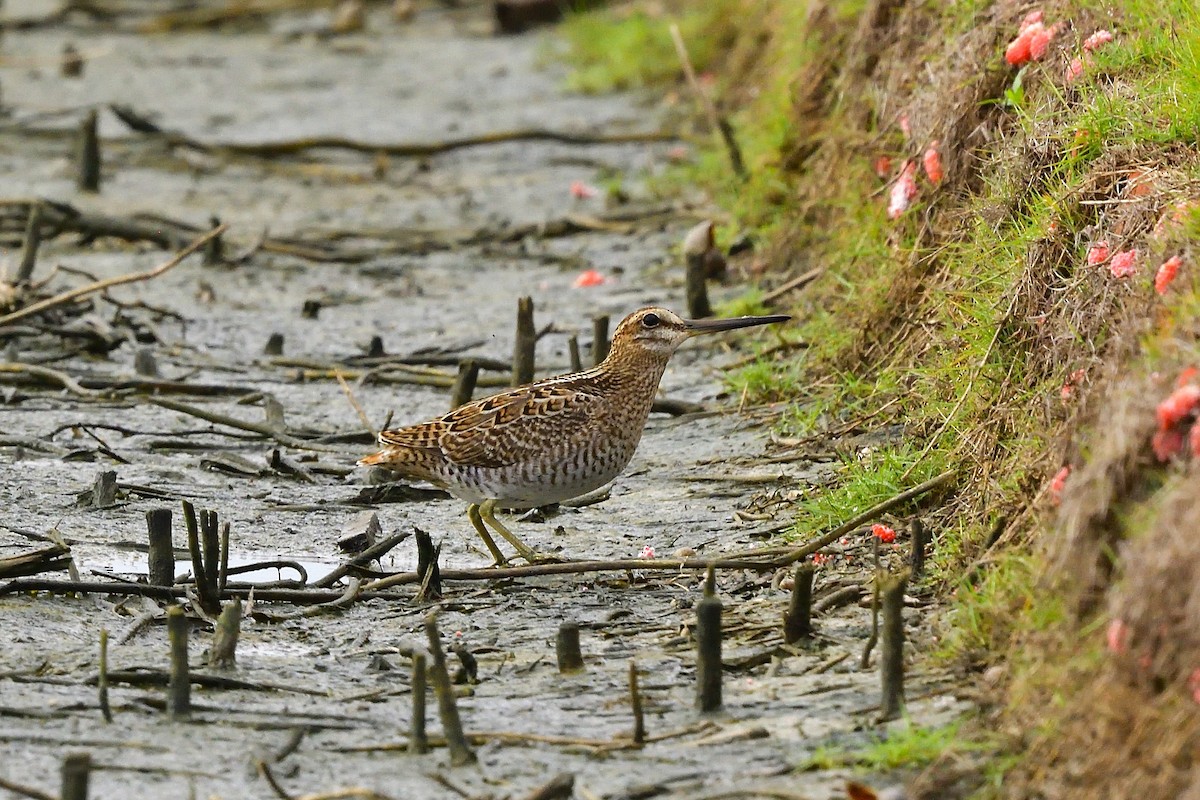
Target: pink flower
904, 190
1032, 18
819, 558
1166, 273
1097, 254
932, 161
1178, 406
1074, 69
883, 533
883, 166
646, 552
582, 191
1194, 441
1058, 483
1068, 388
1124, 264
1097, 40
589, 277
1117, 636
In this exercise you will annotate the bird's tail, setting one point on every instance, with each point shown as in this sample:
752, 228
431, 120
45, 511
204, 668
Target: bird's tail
375, 458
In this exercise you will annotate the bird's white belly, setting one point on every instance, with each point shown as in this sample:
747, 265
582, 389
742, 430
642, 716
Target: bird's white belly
560, 476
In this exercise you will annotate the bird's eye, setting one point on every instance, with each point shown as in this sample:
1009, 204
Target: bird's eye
650, 320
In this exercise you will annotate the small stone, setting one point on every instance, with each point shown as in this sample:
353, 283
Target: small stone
360, 533
144, 363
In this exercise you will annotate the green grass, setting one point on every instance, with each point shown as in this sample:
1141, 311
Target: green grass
905, 747
611, 50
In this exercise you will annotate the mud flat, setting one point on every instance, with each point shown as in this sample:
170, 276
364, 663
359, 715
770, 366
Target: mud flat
430, 254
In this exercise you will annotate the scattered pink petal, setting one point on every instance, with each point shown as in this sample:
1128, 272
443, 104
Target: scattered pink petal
646, 552
819, 558
905, 126
1167, 444
1117, 636
1017, 52
1097, 254
1039, 40
1124, 264
1166, 273
679, 152
1178, 406
904, 190
1074, 69
583, 191
883, 533
1194, 684
1058, 483
589, 277
883, 166
932, 161
1097, 40
1073, 380
1172, 217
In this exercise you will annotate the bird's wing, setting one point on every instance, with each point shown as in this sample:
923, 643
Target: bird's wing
515, 426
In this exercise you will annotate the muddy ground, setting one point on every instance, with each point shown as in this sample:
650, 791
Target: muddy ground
421, 253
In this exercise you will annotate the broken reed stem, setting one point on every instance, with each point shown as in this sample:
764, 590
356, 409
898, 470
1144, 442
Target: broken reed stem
526, 341
223, 653
891, 660
161, 555
696, 246
223, 567
916, 561
464, 383
600, 342
706, 104
31, 243
104, 490
204, 561
418, 741
214, 251
87, 156
460, 752
797, 622
193, 540
573, 353
179, 687
76, 771
708, 650
427, 567
566, 649
873, 639
635, 703
102, 677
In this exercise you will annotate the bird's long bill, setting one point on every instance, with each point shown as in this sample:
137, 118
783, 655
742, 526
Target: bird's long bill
699, 326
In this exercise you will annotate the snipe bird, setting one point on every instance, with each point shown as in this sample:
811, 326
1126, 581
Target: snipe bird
551, 440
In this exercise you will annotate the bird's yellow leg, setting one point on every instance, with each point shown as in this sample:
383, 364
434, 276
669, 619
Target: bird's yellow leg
473, 514
488, 512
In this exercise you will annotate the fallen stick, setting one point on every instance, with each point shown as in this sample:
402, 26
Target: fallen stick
108, 283
54, 377
233, 422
